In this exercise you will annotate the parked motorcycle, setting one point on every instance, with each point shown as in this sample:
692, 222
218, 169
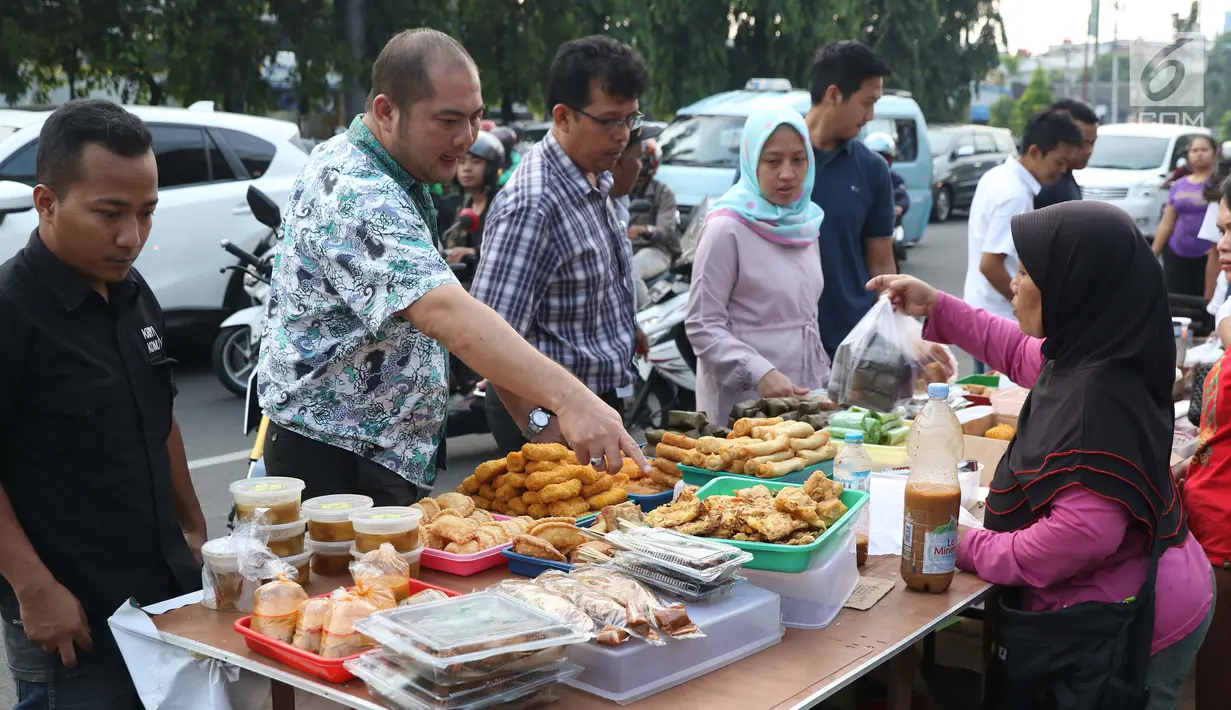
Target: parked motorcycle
238, 342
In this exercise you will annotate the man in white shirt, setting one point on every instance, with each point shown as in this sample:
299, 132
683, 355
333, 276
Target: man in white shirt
1050, 141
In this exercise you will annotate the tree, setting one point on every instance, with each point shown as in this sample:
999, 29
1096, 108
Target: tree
1035, 98
1002, 111
215, 52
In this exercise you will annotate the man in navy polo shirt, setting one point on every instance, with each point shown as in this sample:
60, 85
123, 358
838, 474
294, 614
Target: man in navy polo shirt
852, 184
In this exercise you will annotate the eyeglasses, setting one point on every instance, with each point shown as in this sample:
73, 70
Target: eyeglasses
631, 121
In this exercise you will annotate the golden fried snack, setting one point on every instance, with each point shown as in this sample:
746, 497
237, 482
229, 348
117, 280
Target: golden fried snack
429, 506
630, 469
506, 492
750, 466
644, 487
711, 444
781, 468
469, 547
571, 508
820, 487
661, 477
531, 497
515, 462
545, 452
512, 527
537, 510
743, 427
500, 506
816, 441
561, 491
517, 480
485, 472
826, 452
667, 466
731, 452
1003, 432
498, 533
714, 462
793, 430
689, 457
469, 486
540, 480
585, 474
485, 538
481, 503
562, 536
481, 517
536, 466
671, 438
754, 492
615, 496
531, 546
517, 506
446, 512
487, 491
456, 501
432, 540
830, 511
453, 528
602, 485
765, 448
529, 529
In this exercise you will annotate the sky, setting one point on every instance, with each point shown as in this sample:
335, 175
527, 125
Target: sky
1037, 24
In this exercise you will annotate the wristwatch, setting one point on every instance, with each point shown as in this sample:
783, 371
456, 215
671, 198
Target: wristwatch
539, 420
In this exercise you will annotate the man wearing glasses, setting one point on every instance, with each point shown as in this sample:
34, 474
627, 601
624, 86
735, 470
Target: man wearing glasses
556, 263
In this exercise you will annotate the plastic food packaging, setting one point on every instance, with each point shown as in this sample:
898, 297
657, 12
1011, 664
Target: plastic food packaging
413, 559
604, 610
276, 497
339, 638
548, 601
310, 624
396, 685
287, 539
689, 590
396, 525
878, 363
427, 595
275, 608
329, 516
234, 566
383, 567
700, 559
330, 559
470, 636
302, 563
671, 619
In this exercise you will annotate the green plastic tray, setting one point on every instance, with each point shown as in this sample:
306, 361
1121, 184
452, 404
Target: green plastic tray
784, 558
983, 380
694, 476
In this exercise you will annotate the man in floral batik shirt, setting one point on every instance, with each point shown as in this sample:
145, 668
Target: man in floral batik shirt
354, 371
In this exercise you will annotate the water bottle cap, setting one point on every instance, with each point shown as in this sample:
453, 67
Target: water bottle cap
854, 437
939, 390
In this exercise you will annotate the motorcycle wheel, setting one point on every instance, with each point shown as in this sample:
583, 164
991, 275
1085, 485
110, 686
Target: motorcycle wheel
234, 359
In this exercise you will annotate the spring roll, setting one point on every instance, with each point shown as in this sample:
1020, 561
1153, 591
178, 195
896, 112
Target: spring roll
781, 468
662, 477
714, 462
667, 466
826, 452
673, 453
711, 444
750, 467
810, 443
737, 466
743, 427
671, 438
731, 451
794, 430
765, 448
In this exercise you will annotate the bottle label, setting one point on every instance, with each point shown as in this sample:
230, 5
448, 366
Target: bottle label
940, 549
854, 480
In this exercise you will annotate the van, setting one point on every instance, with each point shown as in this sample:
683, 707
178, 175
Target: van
701, 146
1131, 163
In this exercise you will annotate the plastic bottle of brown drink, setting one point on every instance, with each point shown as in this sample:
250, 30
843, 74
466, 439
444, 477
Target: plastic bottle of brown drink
933, 496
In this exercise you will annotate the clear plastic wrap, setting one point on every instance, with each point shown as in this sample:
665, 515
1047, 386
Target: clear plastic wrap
386, 567
606, 611
235, 566
339, 637
548, 601
689, 590
275, 608
878, 365
701, 559
424, 597
671, 619
311, 623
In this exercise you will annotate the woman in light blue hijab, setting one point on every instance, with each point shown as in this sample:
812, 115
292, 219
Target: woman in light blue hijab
757, 280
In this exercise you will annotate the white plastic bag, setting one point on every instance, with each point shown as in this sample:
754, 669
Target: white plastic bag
235, 565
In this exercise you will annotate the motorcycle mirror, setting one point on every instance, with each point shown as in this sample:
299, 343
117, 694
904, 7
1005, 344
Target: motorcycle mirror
641, 207
264, 209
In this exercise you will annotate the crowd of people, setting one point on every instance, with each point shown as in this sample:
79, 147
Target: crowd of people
1114, 570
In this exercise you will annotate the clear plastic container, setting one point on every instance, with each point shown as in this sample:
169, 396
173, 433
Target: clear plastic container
288, 539
689, 590
331, 559
278, 495
302, 564
853, 469
396, 525
226, 589
482, 631
389, 680
747, 622
812, 598
700, 559
933, 496
329, 516
412, 558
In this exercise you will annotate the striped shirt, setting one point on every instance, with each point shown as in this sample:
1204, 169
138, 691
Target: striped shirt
558, 268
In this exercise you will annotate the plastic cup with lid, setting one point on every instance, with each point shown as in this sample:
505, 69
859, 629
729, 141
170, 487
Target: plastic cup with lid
329, 516
396, 525
277, 496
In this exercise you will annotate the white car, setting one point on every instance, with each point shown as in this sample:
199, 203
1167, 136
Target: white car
1131, 161
206, 161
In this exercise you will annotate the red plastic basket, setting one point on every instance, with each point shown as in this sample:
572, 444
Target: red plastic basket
329, 669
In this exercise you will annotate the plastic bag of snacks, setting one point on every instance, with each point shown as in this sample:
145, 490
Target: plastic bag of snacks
275, 608
311, 622
385, 567
878, 365
234, 566
339, 639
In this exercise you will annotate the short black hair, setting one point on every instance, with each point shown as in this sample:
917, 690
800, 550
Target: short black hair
846, 65
403, 70
1049, 128
1225, 189
619, 69
57, 164
1079, 110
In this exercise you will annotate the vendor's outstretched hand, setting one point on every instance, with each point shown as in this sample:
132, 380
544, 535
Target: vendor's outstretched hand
907, 294
596, 431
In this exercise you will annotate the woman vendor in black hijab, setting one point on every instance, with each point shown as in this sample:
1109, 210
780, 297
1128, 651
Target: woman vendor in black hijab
1090, 618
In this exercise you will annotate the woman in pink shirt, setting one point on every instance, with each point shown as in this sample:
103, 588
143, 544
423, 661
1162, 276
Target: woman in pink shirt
1084, 486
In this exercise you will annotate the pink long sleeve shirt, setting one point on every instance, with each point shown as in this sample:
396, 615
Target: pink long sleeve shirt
1085, 547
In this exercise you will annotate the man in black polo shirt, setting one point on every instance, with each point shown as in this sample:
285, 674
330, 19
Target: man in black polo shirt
1065, 188
96, 503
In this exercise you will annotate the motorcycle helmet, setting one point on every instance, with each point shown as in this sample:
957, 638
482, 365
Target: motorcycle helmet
489, 148
651, 156
507, 138
884, 144
519, 130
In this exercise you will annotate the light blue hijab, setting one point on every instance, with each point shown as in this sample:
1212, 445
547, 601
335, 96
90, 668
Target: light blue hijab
796, 224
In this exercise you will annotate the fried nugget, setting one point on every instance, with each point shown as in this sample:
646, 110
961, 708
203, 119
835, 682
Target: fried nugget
500, 506
517, 506
630, 469
571, 508
487, 491
537, 510
560, 491
506, 492
536, 466
531, 497
600, 485
517, 480
585, 474
456, 501
619, 480
469, 486
515, 462
531, 546
541, 479
643, 487
545, 452
481, 503
615, 496
485, 472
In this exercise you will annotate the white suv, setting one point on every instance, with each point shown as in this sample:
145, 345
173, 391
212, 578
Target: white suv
1131, 161
206, 161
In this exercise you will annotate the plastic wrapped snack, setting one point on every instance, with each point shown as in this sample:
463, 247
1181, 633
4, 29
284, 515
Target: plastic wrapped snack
385, 567
339, 639
548, 601
877, 365
672, 619
275, 608
234, 566
311, 622
603, 609
424, 597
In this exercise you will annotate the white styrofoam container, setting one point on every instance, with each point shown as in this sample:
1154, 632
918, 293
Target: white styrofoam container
811, 599
737, 627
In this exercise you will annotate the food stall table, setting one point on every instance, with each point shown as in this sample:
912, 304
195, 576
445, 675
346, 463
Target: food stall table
807, 667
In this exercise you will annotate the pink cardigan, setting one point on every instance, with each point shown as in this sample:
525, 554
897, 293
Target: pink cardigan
1084, 548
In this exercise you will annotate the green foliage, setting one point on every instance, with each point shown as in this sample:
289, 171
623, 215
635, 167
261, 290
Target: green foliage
1035, 98
1002, 111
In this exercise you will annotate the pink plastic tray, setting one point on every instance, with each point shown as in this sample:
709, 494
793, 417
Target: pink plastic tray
464, 565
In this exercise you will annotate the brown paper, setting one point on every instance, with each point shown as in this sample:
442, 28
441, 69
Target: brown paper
869, 591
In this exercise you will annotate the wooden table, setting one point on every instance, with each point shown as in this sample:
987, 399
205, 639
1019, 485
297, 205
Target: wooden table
805, 669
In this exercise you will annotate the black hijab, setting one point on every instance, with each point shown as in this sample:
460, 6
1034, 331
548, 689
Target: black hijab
1100, 414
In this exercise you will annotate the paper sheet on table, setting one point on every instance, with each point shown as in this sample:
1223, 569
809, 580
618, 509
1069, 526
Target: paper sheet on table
887, 501
171, 678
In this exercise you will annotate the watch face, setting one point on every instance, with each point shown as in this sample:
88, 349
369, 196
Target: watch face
539, 418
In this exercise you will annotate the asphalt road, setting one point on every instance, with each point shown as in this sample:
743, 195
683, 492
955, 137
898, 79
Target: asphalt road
211, 418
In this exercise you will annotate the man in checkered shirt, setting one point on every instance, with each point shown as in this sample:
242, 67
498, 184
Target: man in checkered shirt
556, 264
